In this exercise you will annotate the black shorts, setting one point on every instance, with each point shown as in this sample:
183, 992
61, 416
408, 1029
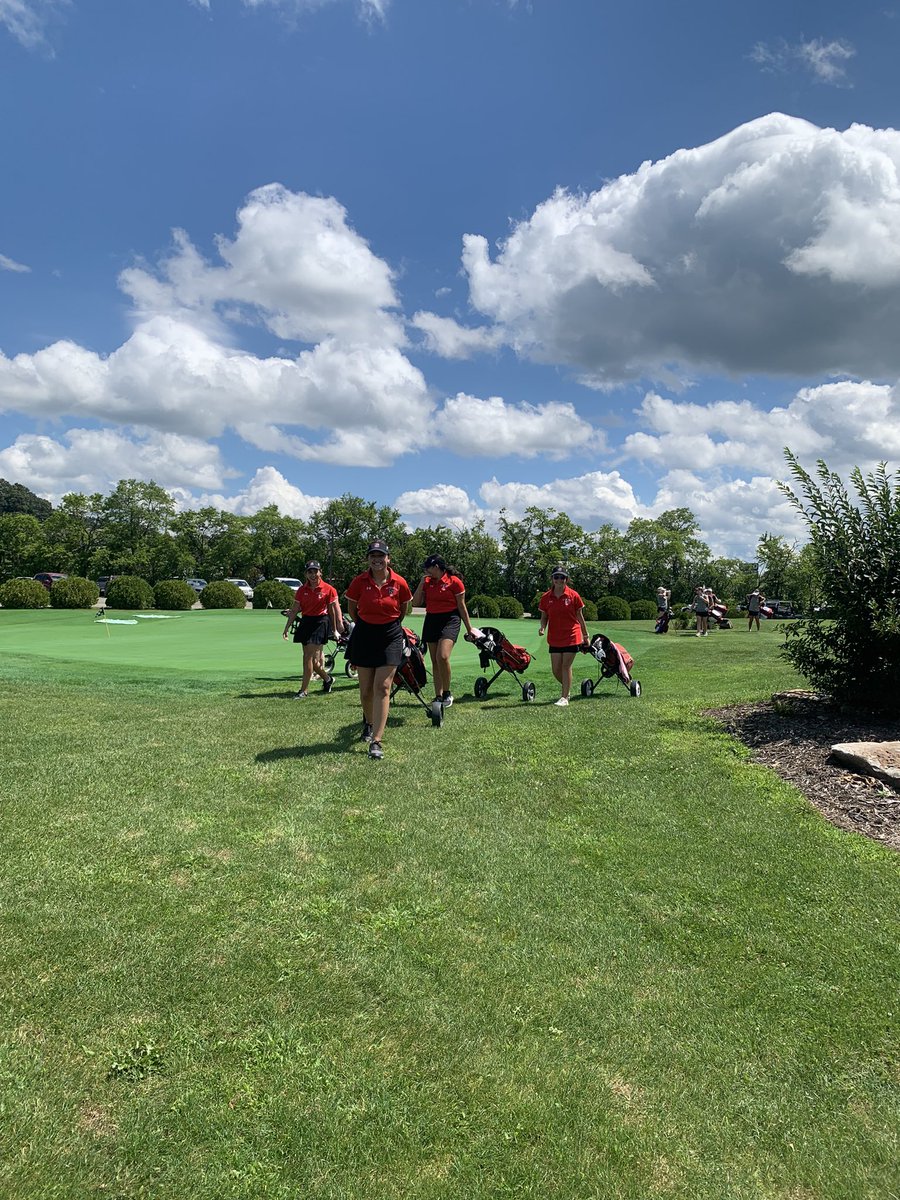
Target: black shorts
375, 645
441, 625
312, 631
565, 649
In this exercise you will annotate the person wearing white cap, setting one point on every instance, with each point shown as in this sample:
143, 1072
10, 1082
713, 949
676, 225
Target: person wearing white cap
315, 601
377, 600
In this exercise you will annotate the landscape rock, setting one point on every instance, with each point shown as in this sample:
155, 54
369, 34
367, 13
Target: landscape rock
881, 759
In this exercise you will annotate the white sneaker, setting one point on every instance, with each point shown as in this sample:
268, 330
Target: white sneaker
562, 702
299, 695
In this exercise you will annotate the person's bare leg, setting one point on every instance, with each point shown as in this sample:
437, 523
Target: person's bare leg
382, 678
366, 677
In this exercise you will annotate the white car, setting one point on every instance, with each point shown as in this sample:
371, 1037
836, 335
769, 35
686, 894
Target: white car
293, 584
244, 587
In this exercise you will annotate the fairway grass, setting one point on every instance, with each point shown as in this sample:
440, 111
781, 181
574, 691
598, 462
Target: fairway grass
581, 953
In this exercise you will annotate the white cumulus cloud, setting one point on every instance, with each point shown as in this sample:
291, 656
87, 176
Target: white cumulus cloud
268, 486
773, 249
440, 504
493, 427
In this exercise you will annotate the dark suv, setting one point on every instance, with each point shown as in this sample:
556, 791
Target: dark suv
48, 578
104, 581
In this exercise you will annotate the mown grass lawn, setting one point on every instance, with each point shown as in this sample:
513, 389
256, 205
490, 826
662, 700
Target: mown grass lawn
576, 953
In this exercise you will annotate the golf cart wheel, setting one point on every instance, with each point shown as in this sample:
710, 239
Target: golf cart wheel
635, 688
329, 663
528, 691
437, 714
481, 687
350, 670
587, 688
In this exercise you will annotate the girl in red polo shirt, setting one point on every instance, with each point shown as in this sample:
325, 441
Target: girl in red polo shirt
445, 606
377, 601
315, 601
562, 610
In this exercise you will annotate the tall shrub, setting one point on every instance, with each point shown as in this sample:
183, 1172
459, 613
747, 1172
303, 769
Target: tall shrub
222, 594
613, 608
272, 594
643, 610
129, 591
855, 654
74, 592
174, 595
509, 607
483, 606
24, 593
590, 610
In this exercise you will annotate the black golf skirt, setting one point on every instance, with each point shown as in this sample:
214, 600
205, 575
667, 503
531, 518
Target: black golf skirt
312, 631
375, 645
441, 625
565, 649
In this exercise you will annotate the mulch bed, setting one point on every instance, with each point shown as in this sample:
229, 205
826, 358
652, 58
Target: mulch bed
794, 734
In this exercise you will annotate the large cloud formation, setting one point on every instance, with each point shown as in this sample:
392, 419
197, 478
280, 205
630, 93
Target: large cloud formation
774, 249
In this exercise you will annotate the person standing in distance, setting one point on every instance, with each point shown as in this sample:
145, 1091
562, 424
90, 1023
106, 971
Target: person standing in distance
316, 602
445, 606
377, 600
755, 602
700, 605
562, 614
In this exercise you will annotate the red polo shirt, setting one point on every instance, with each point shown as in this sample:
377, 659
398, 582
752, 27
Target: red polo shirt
562, 613
379, 605
314, 601
440, 594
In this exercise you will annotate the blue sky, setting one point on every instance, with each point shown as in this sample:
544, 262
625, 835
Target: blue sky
453, 255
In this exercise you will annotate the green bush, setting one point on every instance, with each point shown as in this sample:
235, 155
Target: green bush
590, 610
272, 594
643, 610
129, 591
174, 595
855, 655
24, 593
535, 603
483, 606
74, 592
222, 594
613, 608
509, 607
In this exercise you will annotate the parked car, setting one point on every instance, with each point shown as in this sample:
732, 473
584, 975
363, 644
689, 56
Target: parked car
104, 581
293, 584
48, 578
197, 584
781, 608
244, 587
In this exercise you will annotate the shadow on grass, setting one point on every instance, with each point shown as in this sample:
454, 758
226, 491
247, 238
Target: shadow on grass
345, 739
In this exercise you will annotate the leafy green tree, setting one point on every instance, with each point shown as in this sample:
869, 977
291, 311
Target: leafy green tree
75, 534
16, 498
339, 532
23, 546
777, 566
854, 656
665, 551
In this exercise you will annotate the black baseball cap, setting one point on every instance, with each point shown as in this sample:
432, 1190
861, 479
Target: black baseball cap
377, 547
559, 573
312, 565
433, 560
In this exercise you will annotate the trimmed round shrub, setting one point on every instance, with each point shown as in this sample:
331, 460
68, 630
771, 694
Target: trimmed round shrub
74, 592
535, 611
272, 594
643, 610
590, 610
174, 595
24, 593
222, 594
509, 607
129, 591
613, 608
483, 606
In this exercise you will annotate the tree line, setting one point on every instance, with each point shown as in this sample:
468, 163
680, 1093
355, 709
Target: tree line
137, 530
